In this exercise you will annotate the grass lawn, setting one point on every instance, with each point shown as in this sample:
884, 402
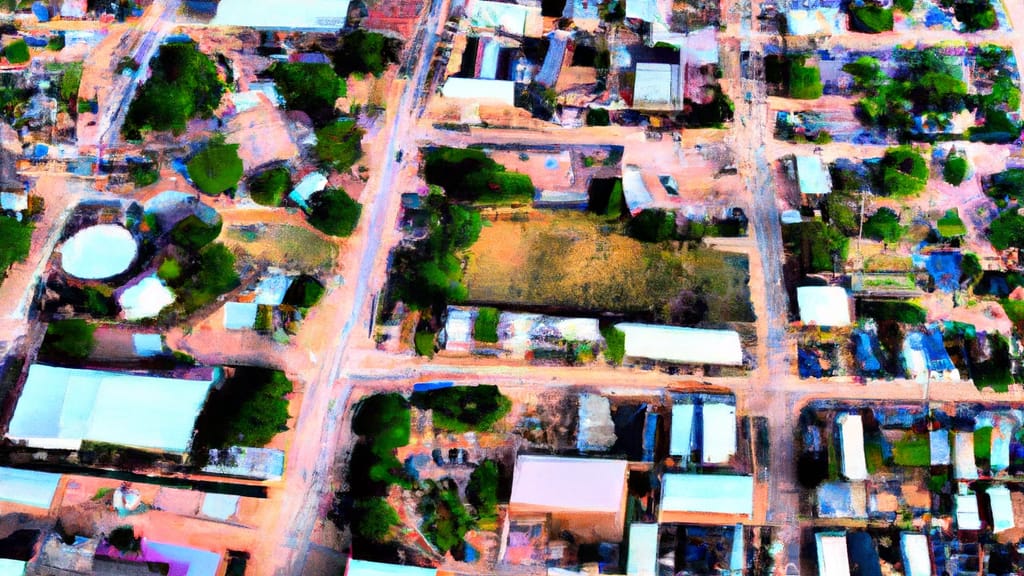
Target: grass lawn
572, 261
301, 248
912, 450
983, 443
873, 454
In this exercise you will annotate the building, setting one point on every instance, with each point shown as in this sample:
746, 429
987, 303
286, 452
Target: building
1002, 508
457, 334
643, 550
833, 559
28, 487
365, 568
634, 191
514, 19
479, 89
967, 517
145, 299
656, 87
964, 465
938, 441
706, 498
682, 345
718, 433
916, 559
851, 438
60, 408
820, 20
681, 437
240, 315
824, 305
310, 184
586, 497
812, 175
305, 15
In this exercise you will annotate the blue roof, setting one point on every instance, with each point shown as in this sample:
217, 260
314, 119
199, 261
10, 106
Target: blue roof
240, 315
365, 568
147, 345
28, 487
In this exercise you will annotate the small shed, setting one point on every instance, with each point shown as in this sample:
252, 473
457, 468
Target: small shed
719, 433
240, 315
480, 89
682, 345
457, 333
596, 429
634, 191
938, 441
656, 86
643, 550
812, 175
10, 567
824, 305
148, 345
1002, 508
681, 437
964, 465
967, 517
145, 299
851, 438
842, 500
311, 184
833, 559
271, 289
916, 558
366, 568
707, 498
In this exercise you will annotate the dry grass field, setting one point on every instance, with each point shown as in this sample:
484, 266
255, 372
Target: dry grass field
283, 245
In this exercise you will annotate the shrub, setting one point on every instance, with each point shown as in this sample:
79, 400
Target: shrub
15, 242
898, 310
871, 19
445, 519
192, 233
482, 490
464, 408
912, 450
124, 541
905, 6
983, 443
904, 172
372, 519
1007, 230
365, 52
212, 275
652, 225
975, 15
169, 270
464, 227
248, 410
143, 176
304, 292
264, 318
384, 420
312, 88
615, 342
71, 339
804, 81
96, 302
486, 327
1006, 184
424, 341
970, 269
950, 225
816, 244
955, 170
70, 81
183, 85
269, 187
17, 52
884, 225
597, 117
339, 144
333, 212
55, 43
217, 168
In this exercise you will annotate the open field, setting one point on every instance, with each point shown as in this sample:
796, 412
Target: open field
578, 263
291, 246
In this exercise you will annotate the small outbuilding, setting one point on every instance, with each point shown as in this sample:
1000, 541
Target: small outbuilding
827, 306
812, 175
916, 556
967, 517
682, 345
28, 487
240, 315
1002, 508
656, 86
681, 437
706, 498
643, 550
634, 191
366, 568
851, 437
964, 465
833, 558
719, 433
309, 185
480, 90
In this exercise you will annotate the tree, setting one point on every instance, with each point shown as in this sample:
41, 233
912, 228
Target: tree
212, 274
1007, 230
970, 269
312, 88
485, 329
652, 225
842, 210
384, 420
268, 187
465, 226
124, 541
17, 52
248, 410
804, 81
217, 168
365, 52
975, 15
71, 339
597, 117
15, 242
304, 292
871, 19
615, 344
904, 172
464, 408
192, 233
482, 490
373, 518
333, 212
69, 84
884, 225
183, 85
339, 144
955, 169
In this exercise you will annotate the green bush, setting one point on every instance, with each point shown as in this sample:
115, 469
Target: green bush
615, 201
97, 303
372, 519
384, 420
804, 81
955, 170
871, 19
482, 490
269, 187
192, 233
615, 344
143, 176
464, 408
884, 225
169, 270
1007, 230
652, 225
904, 172
124, 541
975, 15
15, 242
55, 43
485, 329
264, 318
950, 225
366, 53
333, 212
17, 52
1006, 184
183, 85
597, 117
445, 519
212, 275
467, 174
71, 339
304, 292
983, 444
424, 341
898, 310
339, 144
248, 410
465, 225
217, 168
815, 244
70, 81
905, 6
312, 88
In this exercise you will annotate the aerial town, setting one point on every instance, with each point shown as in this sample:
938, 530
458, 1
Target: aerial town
511, 287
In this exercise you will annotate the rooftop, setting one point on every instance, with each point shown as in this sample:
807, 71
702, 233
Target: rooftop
682, 345
28, 487
823, 305
554, 483
707, 494
310, 15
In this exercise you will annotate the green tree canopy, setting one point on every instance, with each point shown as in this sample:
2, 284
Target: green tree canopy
192, 233
15, 242
312, 88
373, 518
652, 225
339, 144
871, 18
212, 274
884, 225
248, 410
217, 168
904, 172
482, 490
69, 339
467, 174
17, 52
485, 329
804, 81
365, 52
269, 187
384, 420
1007, 230
464, 408
465, 226
304, 292
955, 169
333, 212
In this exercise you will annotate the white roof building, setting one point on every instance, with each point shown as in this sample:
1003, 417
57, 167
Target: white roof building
964, 465
682, 345
145, 299
833, 559
551, 483
643, 550
634, 191
681, 437
648, 11
851, 433
821, 20
60, 408
271, 289
10, 567
148, 345
1002, 508
365, 568
656, 86
304, 15
28, 487
704, 494
458, 329
99, 252
310, 184
916, 557
823, 305
13, 201
511, 18
938, 441
479, 89
967, 517
719, 432
240, 315
812, 175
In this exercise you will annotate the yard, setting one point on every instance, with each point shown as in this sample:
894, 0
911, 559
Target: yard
278, 243
576, 263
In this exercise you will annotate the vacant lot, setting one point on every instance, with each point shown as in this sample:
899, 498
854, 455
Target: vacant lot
579, 264
283, 245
